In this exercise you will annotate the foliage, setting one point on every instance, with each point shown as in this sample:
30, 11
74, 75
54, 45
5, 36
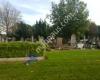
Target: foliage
98, 30
92, 29
77, 23
42, 46
9, 16
23, 31
92, 33
41, 28
19, 49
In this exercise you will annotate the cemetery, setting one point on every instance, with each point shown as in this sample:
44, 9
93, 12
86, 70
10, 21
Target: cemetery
48, 40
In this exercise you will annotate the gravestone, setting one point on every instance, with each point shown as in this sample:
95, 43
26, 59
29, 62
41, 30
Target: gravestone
32, 38
59, 43
73, 40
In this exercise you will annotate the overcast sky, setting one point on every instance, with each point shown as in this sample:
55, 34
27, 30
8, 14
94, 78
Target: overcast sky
32, 10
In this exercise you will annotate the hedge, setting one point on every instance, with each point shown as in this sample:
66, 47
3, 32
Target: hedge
18, 49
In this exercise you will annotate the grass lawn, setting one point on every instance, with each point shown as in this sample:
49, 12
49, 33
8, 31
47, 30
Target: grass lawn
60, 65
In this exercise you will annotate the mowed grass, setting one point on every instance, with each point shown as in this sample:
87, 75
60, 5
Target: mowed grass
60, 65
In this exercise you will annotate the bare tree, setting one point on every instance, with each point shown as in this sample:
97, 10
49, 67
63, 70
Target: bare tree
9, 16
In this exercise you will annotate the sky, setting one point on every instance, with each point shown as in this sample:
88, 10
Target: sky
32, 10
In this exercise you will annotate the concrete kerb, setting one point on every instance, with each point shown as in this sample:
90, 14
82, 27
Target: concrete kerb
22, 59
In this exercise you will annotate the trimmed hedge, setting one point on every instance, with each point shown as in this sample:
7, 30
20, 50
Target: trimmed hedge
18, 49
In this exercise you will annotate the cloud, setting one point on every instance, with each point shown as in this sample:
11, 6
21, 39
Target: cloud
31, 19
94, 12
32, 10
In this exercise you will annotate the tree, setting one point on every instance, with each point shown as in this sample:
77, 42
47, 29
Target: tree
23, 31
41, 28
77, 23
92, 30
9, 16
98, 30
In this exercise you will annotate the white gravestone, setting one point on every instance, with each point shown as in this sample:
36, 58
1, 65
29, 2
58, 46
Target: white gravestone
73, 40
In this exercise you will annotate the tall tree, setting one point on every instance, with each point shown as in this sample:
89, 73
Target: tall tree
41, 28
22, 31
77, 23
92, 30
9, 16
98, 30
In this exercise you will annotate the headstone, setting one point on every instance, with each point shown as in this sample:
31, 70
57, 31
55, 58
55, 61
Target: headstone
59, 43
32, 38
73, 40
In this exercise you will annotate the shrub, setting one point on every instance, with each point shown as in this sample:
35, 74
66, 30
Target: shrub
19, 49
42, 46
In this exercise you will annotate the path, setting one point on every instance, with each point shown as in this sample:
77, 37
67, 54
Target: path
20, 59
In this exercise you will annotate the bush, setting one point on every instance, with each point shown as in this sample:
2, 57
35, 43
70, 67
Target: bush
19, 49
42, 46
